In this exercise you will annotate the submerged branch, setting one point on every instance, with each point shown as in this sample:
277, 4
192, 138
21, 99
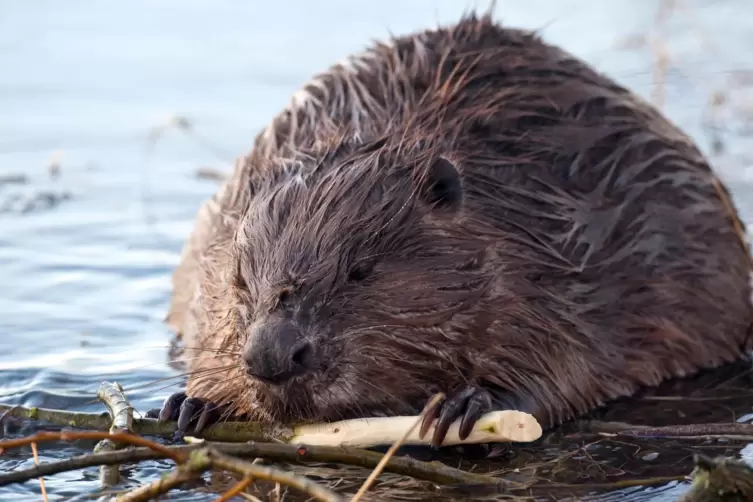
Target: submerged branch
121, 414
736, 431
435, 472
118, 429
224, 431
109, 475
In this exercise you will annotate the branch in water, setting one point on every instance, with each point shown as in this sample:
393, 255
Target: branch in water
435, 472
494, 427
120, 425
121, 415
732, 431
207, 459
190, 464
224, 431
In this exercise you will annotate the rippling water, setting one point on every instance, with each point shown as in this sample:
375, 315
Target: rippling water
86, 253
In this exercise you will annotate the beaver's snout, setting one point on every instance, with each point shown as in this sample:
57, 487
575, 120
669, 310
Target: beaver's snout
277, 352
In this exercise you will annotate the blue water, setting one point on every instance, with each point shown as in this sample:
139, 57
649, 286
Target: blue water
86, 281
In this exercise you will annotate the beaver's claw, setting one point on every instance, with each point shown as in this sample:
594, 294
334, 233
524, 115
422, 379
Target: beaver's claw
192, 414
467, 404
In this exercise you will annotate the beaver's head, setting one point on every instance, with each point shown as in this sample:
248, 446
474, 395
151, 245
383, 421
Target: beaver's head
355, 277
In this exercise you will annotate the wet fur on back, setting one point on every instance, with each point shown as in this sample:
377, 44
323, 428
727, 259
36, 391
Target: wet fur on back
592, 251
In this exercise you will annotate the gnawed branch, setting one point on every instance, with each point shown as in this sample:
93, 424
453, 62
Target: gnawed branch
494, 427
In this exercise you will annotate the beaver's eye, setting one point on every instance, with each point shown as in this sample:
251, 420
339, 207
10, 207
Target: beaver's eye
360, 272
238, 280
284, 297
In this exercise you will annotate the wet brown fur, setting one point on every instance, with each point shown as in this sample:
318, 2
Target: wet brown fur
593, 252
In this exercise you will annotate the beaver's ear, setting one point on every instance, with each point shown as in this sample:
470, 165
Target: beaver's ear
442, 187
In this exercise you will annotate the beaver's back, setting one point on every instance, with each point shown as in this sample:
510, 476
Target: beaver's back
593, 179
629, 243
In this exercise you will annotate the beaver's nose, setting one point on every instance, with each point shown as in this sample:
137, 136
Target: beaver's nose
277, 353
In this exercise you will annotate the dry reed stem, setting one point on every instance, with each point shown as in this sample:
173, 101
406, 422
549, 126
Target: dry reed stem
236, 489
661, 52
380, 466
41, 480
660, 69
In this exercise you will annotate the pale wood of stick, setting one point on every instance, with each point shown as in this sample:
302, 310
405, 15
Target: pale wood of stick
494, 427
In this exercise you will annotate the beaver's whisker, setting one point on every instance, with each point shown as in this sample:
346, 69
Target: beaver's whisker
173, 361
342, 411
380, 389
201, 349
196, 358
201, 372
216, 351
230, 411
201, 375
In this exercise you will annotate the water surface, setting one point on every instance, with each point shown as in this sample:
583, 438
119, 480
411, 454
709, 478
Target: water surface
87, 253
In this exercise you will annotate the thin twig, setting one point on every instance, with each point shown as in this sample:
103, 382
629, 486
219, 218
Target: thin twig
731, 431
661, 64
236, 489
623, 483
196, 464
245, 468
391, 452
41, 480
728, 430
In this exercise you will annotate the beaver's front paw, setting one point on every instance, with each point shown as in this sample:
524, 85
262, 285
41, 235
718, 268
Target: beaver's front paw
467, 404
190, 413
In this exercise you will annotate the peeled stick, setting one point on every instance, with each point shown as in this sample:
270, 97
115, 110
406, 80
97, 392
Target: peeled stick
494, 427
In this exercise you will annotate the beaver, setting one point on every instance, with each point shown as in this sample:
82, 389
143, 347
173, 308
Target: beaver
465, 209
